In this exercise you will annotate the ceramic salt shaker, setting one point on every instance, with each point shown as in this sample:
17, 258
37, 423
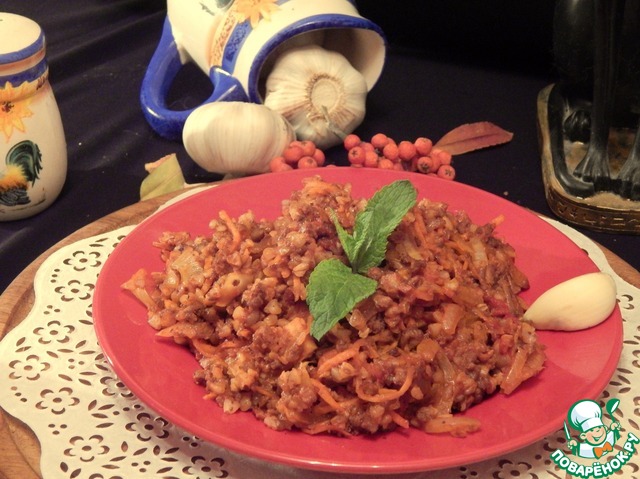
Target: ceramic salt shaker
33, 150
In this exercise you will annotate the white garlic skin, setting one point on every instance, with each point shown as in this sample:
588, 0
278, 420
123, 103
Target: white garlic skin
313, 37
306, 79
578, 303
235, 137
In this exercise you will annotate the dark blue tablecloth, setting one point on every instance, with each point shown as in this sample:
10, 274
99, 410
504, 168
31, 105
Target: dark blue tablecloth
449, 63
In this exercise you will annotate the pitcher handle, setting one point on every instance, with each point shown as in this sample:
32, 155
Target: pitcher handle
162, 70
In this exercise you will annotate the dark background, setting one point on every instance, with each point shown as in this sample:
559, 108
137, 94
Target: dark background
449, 62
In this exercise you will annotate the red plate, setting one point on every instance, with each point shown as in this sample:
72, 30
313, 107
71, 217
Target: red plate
579, 364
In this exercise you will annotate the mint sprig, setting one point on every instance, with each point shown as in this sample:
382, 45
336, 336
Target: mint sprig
332, 292
334, 289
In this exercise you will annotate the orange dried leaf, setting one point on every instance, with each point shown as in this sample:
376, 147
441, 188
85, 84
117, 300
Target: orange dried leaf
473, 136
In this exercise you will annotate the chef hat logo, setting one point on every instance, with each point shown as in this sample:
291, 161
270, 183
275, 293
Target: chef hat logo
585, 415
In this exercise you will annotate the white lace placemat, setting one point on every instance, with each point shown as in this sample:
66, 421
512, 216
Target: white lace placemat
54, 377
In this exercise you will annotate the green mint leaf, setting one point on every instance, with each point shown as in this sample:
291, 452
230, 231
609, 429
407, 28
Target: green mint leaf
347, 241
382, 215
351, 244
332, 292
333, 288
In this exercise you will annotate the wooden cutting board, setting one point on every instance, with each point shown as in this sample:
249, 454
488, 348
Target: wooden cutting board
19, 447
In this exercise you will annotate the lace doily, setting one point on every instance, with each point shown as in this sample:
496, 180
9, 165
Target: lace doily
54, 377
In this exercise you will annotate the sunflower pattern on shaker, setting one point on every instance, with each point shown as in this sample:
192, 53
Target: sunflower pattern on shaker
12, 112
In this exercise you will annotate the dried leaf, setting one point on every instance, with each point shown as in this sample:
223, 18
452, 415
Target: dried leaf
165, 176
473, 136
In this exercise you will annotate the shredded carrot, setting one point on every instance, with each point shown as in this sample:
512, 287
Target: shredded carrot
498, 220
514, 376
231, 343
323, 408
385, 394
420, 228
203, 347
325, 366
399, 420
292, 416
423, 294
319, 188
264, 391
458, 426
167, 332
233, 229
326, 426
325, 393
245, 334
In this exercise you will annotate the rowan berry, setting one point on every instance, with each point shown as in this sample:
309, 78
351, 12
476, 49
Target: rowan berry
423, 146
292, 154
447, 172
386, 164
371, 159
406, 150
276, 161
356, 155
367, 146
390, 152
380, 140
279, 164
307, 162
319, 156
425, 164
308, 146
350, 141
443, 156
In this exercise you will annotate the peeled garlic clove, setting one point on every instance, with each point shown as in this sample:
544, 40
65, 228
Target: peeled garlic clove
318, 92
235, 137
577, 303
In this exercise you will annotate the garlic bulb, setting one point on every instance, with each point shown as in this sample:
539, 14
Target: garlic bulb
235, 137
313, 37
577, 303
318, 92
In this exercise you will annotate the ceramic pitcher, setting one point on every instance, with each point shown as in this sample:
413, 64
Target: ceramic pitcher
33, 152
235, 41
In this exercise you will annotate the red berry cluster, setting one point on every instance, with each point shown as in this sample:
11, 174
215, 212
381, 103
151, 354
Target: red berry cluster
384, 152
299, 154
381, 152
